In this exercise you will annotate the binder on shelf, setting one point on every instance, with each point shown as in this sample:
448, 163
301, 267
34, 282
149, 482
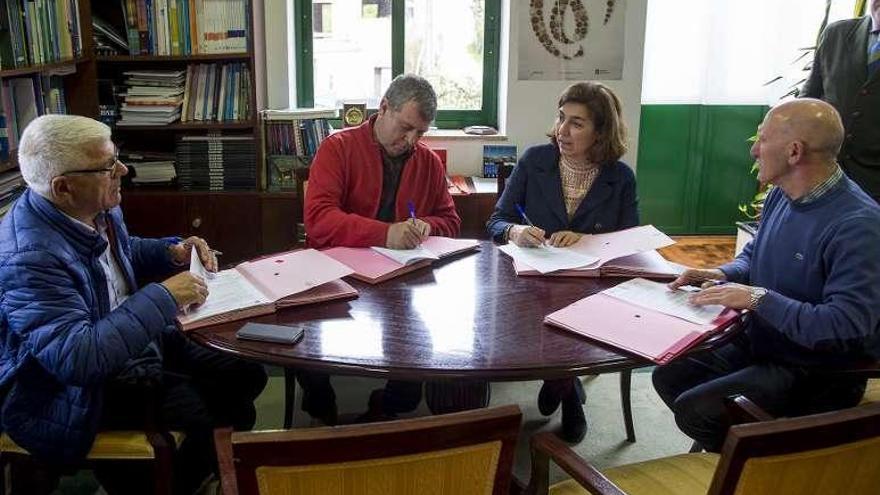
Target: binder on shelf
301, 113
373, 267
267, 284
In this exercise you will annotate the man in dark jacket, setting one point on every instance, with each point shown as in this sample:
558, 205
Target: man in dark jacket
846, 74
78, 338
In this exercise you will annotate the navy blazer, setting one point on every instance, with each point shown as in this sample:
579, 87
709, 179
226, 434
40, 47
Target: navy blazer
535, 184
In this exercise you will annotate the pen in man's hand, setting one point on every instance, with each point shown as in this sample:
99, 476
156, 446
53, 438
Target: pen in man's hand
412, 210
216, 253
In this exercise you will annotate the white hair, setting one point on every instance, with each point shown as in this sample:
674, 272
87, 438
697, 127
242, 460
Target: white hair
54, 144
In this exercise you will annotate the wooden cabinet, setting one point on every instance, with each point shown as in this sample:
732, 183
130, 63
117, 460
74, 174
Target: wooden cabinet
474, 210
242, 225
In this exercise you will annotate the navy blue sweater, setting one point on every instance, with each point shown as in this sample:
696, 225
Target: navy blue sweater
821, 265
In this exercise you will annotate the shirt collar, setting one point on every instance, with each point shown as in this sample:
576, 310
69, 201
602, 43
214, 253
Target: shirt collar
822, 188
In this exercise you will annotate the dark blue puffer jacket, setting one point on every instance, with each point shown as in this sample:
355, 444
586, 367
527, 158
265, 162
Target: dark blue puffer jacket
59, 342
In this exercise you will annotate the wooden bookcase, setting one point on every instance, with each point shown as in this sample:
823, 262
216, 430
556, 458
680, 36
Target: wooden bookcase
241, 224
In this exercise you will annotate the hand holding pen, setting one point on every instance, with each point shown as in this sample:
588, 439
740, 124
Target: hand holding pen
699, 277
526, 235
409, 233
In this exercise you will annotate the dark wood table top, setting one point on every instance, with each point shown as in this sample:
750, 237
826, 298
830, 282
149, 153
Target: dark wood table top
470, 316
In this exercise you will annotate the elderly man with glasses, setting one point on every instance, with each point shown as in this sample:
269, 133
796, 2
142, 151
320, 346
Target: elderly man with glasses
79, 338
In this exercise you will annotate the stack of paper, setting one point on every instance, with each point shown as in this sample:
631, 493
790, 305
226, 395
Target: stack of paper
152, 97
644, 318
265, 285
625, 253
374, 265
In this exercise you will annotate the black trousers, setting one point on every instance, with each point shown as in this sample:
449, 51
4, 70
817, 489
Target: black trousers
695, 387
200, 389
399, 396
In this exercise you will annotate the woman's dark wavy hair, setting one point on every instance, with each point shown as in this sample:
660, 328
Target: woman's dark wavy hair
606, 114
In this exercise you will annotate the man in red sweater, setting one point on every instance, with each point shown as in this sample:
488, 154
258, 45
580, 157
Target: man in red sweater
363, 178
361, 183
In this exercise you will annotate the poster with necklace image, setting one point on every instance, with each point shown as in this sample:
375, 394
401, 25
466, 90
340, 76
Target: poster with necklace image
564, 40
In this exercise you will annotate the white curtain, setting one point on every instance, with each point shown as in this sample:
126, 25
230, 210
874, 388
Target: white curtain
723, 51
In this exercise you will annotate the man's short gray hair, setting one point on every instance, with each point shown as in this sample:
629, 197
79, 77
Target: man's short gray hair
410, 87
54, 144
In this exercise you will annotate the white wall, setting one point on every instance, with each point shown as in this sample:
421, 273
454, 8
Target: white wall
526, 108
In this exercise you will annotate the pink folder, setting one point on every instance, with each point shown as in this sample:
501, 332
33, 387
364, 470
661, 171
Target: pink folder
372, 267
286, 279
644, 332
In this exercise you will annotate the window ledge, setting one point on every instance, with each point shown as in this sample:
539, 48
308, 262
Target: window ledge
459, 135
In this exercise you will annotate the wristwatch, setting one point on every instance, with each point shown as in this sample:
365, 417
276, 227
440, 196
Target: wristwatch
755, 296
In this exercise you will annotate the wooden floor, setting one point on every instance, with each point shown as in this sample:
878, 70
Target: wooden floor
700, 251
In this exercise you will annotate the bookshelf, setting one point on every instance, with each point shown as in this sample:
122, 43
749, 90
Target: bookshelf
242, 223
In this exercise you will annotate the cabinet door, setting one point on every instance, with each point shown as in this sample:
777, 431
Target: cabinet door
230, 222
154, 214
281, 213
474, 210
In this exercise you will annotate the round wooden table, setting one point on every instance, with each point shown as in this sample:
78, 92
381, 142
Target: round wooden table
468, 317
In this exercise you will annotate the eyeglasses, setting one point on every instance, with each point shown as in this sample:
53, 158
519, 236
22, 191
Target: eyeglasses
112, 168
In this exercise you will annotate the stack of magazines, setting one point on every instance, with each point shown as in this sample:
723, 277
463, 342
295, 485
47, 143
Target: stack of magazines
152, 97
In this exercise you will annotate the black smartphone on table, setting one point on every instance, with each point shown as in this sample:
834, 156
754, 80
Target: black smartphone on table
264, 332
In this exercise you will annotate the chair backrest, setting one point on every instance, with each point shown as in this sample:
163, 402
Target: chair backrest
829, 453
302, 185
504, 172
463, 453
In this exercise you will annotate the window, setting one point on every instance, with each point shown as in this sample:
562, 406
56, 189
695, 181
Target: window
322, 15
452, 43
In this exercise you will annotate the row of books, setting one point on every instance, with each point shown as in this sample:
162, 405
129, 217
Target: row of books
217, 92
185, 27
24, 99
296, 137
38, 31
11, 187
216, 163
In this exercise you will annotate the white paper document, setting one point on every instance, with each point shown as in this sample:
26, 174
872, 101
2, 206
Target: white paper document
548, 259
483, 185
196, 267
227, 291
407, 256
657, 296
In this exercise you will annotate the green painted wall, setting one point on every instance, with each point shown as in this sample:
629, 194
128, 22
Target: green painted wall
694, 163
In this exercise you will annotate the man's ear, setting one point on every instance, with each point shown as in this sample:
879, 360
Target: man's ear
796, 152
383, 106
61, 188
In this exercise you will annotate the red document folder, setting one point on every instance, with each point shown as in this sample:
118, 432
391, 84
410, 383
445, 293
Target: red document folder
641, 331
267, 284
372, 267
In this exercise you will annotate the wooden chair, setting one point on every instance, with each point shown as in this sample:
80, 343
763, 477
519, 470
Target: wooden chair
829, 453
302, 184
153, 446
462, 453
504, 172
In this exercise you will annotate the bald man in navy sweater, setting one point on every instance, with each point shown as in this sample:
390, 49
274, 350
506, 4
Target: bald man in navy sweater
811, 278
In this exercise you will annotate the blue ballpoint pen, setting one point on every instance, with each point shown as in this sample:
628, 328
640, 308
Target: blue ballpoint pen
412, 210
522, 213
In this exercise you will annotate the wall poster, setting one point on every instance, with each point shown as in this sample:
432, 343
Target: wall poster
561, 40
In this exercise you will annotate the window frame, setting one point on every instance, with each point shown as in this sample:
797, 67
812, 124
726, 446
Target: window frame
446, 119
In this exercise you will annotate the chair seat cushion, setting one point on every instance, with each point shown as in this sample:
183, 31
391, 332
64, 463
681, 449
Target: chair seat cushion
683, 474
872, 391
108, 445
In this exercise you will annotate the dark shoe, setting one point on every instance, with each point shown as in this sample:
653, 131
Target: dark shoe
321, 405
375, 410
548, 399
574, 422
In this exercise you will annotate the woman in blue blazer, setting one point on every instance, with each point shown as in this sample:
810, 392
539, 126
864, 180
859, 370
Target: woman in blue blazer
572, 186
